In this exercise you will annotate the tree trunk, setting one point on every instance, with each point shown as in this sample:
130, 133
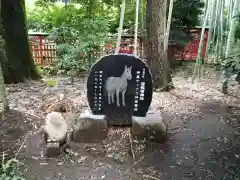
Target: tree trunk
167, 32
142, 26
142, 19
3, 95
230, 40
166, 11
207, 5
215, 25
217, 33
233, 23
231, 4
136, 28
221, 29
169, 20
210, 31
221, 48
229, 16
2, 85
156, 56
200, 55
120, 28
19, 64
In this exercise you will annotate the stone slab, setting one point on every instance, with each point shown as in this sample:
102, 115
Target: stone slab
89, 128
119, 86
151, 127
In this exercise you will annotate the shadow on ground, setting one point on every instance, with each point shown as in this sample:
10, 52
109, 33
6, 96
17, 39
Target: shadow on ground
208, 148
14, 125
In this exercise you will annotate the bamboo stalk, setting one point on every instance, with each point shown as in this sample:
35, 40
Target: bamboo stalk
168, 25
230, 40
136, 28
198, 64
229, 16
217, 34
229, 13
233, 24
120, 29
210, 31
221, 49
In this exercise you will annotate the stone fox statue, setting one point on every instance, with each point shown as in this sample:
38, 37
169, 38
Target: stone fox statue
55, 128
117, 85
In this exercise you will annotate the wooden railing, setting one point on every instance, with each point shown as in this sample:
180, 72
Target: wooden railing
43, 51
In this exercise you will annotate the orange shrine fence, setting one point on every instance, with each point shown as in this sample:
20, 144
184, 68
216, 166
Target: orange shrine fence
44, 52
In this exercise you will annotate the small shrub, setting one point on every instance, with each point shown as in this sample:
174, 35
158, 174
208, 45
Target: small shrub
77, 36
9, 170
46, 70
231, 64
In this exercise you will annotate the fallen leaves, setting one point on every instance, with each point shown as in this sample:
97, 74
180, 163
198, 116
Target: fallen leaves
119, 152
58, 103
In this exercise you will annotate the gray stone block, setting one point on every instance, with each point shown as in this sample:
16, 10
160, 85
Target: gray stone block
53, 149
151, 127
89, 128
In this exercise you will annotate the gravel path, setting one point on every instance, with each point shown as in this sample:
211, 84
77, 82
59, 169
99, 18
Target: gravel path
204, 136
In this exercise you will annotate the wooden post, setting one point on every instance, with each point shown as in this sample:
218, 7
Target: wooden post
41, 49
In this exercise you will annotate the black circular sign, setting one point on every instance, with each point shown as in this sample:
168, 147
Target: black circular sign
119, 84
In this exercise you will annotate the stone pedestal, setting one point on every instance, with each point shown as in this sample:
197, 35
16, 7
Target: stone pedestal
233, 80
53, 149
89, 128
150, 127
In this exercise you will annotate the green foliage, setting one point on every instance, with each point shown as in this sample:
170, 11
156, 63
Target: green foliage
76, 35
46, 70
186, 13
47, 15
72, 59
81, 29
232, 63
3, 56
9, 170
237, 32
76, 47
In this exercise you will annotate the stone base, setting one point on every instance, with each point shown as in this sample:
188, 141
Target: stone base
232, 81
89, 128
53, 149
151, 127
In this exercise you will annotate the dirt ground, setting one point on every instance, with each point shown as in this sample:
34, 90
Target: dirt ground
204, 135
